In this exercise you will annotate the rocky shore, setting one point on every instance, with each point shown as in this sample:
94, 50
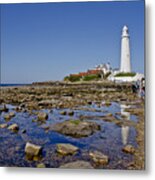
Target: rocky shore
79, 115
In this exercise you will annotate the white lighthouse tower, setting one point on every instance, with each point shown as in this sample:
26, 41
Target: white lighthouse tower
125, 51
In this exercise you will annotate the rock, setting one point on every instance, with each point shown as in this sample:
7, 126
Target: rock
32, 97
99, 158
60, 105
66, 149
63, 112
17, 148
128, 149
119, 123
71, 113
34, 158
135, 111
110, 118
32, 149
32, 105
76, 128
109, 115
107, 103
46, 103
68, 95
3, 108
42, 116
3, 125
22, 105
41, 165
77, 165
13, 127
90, 102
34, 120
23, 131
18, 109
11, 114
7, 117
123, 116
118, 113
51, 111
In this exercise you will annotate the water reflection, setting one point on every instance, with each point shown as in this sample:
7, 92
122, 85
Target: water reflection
109, 140
125, 129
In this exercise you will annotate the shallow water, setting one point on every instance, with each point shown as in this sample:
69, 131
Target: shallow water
109, 140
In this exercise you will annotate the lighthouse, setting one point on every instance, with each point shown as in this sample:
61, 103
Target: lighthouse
125, 51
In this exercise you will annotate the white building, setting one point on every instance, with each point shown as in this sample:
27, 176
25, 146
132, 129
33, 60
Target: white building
125, 51
125, 63
105, 68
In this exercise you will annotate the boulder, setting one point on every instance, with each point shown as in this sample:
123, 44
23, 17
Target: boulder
66, 149
32, 149
77, 165
76, 128
99, 158
13, 127
128, 149
42, 116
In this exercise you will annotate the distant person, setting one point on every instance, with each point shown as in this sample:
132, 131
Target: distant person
142, 88
135, 87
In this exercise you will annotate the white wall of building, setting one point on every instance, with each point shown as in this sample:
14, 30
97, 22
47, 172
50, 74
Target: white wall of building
125, 51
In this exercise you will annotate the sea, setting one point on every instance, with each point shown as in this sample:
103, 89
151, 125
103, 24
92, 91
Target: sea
12, 85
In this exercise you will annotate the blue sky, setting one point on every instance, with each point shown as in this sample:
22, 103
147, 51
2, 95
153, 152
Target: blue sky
41, 42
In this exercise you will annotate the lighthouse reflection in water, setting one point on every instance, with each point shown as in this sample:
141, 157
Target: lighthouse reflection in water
125, 129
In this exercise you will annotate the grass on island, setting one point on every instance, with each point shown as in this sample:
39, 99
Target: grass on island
72, 78
90, 77
131, 74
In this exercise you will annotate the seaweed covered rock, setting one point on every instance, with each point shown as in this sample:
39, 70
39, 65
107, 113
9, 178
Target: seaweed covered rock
76, 128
